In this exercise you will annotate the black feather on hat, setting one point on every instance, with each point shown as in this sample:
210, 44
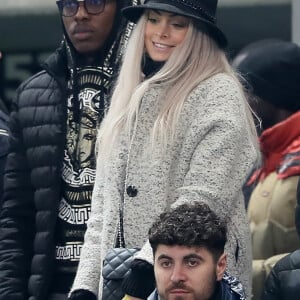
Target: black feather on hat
272, 69
202, 11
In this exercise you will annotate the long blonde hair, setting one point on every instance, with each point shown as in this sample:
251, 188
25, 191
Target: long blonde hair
197, 58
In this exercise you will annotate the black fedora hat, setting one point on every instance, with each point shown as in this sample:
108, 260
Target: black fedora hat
202, 11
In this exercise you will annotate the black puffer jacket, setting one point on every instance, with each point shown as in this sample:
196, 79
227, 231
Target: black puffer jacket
32, 184
4, 133
283, 283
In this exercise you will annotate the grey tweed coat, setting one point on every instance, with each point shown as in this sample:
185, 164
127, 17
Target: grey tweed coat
209, 159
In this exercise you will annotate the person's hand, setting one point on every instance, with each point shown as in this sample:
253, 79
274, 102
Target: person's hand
139, 283
82, 295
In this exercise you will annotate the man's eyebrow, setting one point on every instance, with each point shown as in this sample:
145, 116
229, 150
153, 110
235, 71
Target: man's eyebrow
193, 255
164, 256
189, 256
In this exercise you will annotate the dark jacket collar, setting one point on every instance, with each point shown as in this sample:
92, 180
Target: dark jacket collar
56, 65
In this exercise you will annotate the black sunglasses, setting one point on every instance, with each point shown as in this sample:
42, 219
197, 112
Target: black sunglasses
69, 8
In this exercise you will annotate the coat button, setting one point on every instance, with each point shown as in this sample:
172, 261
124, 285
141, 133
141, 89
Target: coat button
131, 191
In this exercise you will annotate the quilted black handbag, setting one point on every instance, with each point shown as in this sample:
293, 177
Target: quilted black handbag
116, 265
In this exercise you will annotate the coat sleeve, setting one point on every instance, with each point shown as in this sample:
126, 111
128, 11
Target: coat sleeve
16, 219
90, 264
4, 133
225, 151
106, 188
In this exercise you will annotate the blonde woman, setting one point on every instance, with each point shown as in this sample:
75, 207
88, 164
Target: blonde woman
178, 130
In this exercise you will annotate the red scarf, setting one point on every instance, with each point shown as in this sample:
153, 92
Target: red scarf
275, 143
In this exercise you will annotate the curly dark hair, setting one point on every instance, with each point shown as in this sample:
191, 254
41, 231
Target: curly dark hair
191, 225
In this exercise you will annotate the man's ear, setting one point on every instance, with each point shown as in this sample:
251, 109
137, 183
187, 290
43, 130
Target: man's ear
221, 266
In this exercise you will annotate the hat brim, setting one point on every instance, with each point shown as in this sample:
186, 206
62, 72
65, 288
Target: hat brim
133, 14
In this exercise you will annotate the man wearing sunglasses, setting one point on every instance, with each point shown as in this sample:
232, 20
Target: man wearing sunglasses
48, 184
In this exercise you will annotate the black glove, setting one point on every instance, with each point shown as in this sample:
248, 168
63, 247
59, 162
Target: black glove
140, 281
82, 295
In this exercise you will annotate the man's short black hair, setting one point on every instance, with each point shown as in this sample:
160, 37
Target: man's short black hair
190, 225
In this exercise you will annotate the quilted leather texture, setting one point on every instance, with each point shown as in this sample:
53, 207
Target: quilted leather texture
115, 267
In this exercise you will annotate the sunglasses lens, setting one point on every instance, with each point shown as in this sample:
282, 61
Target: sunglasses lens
68, 7
94, 6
